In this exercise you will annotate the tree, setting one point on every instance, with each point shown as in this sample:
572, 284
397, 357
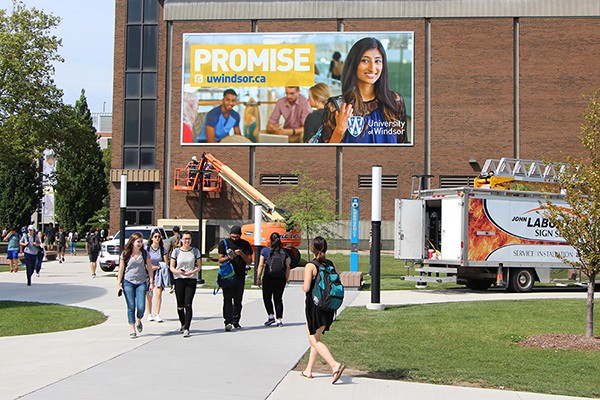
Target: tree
309, 207
20, 191
580, 225
29, 101
28, 95
80, 176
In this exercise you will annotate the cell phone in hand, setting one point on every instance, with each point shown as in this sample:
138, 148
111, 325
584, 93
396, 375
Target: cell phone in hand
338, 103
120, 293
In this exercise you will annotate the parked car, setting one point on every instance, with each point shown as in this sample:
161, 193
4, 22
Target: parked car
108, 259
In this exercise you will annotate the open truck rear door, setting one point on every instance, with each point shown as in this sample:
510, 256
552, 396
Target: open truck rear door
409, 238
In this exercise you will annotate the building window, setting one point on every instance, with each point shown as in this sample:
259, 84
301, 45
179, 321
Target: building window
278, 179
141, 63
387, 181
140, 204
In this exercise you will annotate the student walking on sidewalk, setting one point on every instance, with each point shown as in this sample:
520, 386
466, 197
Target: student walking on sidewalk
276, 276
135, 272
318, 321
239, 252
186, 262
31, 246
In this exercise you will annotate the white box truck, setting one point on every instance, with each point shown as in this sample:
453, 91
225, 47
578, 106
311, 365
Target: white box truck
481, 237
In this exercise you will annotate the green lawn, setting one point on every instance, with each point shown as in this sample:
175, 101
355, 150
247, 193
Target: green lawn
22, 318
472, 343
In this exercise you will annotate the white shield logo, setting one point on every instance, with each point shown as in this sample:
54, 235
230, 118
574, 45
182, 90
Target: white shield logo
356, 125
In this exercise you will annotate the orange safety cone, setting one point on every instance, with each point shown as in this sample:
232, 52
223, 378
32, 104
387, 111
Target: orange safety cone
500, 277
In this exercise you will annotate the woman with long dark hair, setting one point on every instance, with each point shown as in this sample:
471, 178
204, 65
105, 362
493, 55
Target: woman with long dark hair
276, 276
368, 111
159, 260
186, 261
135, 274
318, 321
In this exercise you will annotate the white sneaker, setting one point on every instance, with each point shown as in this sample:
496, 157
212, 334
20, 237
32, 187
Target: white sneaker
228, 328
186, 333
151, 318
157, 318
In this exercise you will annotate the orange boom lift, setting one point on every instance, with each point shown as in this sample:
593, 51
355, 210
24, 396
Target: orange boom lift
214, 172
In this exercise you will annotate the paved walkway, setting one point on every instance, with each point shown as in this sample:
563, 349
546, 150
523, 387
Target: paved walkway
102, 362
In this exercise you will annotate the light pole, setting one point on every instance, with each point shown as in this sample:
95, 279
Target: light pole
257, 239
200, 217
376, 246
123, 211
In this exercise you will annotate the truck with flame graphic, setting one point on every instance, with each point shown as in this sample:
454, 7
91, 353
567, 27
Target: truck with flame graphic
482, 237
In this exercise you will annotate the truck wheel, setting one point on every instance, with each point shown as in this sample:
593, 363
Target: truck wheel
478, 284
107, 267
521, 280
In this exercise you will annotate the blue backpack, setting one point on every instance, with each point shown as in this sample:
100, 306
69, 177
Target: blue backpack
226, 274
328, 292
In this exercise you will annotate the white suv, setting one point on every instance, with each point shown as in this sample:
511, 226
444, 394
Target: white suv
108, 259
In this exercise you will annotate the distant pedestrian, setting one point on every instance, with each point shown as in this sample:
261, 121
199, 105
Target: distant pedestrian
158, 258
31, 246
239, 252
275, 262
175, 240
73, 242
61, 239
317, 320
40, 254
92, 246
12, 250
186, 262
50, 234
135, 278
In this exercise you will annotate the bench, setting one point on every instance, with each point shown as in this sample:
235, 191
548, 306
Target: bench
297, 274
350, 280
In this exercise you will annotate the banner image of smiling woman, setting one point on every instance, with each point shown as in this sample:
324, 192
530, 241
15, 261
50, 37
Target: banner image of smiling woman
367, 111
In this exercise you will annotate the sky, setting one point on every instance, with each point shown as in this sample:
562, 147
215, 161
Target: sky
87, 32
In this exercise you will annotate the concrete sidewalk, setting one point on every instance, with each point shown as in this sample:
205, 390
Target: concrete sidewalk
102, 362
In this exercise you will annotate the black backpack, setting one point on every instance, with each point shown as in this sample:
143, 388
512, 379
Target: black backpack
276, 263
94, 243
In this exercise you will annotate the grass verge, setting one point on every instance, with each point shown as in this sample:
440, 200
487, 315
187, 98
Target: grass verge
469, 344
23, 318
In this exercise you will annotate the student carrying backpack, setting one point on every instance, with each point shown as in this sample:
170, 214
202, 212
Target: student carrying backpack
324, 295
275, 261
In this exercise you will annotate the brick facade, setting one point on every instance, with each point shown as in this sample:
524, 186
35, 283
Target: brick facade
472, 106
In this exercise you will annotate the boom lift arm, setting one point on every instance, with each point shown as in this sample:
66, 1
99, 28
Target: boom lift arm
212, 172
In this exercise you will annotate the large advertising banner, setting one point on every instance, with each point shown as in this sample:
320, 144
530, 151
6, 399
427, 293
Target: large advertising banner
270, 88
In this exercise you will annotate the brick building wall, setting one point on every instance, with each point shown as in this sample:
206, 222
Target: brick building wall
472, 106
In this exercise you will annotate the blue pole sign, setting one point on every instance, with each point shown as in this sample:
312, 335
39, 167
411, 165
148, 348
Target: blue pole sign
354, 218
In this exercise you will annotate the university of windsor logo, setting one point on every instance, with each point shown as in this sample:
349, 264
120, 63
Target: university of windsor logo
356, 125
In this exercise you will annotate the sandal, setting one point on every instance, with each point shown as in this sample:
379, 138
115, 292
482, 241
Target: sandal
306, 376
337, 374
